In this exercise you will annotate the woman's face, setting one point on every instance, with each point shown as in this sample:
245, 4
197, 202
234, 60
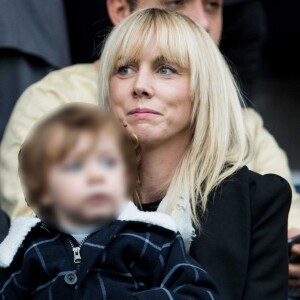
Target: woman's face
152, 97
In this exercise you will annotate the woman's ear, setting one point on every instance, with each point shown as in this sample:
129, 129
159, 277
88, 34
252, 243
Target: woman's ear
117, 10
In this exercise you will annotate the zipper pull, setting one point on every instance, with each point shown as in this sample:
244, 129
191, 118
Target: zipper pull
77, 257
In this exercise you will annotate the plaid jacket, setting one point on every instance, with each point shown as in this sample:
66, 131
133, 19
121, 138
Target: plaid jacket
138, 256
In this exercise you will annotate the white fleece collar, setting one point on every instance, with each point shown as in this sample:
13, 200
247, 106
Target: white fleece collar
21, 226
18, 231
132, 213
182, 215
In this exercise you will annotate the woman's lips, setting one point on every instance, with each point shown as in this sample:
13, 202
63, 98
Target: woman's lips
143, 112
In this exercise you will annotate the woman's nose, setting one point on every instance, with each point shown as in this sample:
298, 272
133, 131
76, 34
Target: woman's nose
142, 87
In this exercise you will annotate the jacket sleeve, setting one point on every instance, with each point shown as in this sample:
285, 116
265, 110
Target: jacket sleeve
34, 103
178, 276
267, 275
270, 158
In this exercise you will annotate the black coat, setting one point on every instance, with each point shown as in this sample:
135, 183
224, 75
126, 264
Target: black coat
243, 243
125, 260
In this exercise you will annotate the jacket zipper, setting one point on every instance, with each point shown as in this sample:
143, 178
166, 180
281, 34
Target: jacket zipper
76, 250
77, 257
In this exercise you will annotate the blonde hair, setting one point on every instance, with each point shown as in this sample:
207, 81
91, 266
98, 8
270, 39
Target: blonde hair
220, 144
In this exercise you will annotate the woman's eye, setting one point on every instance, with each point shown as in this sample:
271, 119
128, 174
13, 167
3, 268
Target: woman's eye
173, 4
126, 70
108, 162
166, 71
73, 167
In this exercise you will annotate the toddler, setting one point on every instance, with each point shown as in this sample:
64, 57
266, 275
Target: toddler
79, 170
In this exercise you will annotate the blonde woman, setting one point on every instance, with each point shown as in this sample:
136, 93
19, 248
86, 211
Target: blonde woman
165, 79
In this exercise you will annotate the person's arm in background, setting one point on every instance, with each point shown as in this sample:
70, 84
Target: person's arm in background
270, 158
35, 102
294, 269
294, 230
75, 83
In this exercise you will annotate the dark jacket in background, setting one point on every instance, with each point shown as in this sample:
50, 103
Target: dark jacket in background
242, 39
4, 225
33, 41
243, 242
244, 32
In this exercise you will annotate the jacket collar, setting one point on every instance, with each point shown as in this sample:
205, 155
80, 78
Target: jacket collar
132, 213
18, 231
181, 212
21, 227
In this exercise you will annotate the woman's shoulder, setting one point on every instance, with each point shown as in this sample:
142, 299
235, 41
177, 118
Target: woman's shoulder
245, 224
260, 190
258, 184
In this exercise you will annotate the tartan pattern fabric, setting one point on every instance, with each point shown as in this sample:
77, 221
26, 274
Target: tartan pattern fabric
125, 260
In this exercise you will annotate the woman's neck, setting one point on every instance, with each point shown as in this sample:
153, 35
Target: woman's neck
158, 165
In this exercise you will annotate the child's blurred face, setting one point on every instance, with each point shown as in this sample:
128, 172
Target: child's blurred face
90, 184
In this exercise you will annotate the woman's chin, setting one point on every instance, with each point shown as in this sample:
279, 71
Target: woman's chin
143, 130
150, 134
150, 139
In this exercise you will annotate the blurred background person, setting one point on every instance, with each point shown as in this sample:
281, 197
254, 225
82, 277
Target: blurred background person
242, 40
33, 41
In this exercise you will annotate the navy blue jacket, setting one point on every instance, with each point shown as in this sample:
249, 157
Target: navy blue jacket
128, 259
